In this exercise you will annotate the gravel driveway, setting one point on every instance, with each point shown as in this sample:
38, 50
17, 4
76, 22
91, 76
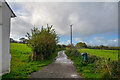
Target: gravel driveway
61, 67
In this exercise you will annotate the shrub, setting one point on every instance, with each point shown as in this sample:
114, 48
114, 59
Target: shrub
92, 59
82, 64
99, 67
42, 42
74, 53
114, 66
107, 68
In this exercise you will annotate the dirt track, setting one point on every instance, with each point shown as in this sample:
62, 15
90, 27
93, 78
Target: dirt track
60, 68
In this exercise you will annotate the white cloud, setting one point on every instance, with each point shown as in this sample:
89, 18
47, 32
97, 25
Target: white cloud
62, 42
111, 42
91, 43
96, 41
87, 18
68, 42
98, 38
65, 42
77, 39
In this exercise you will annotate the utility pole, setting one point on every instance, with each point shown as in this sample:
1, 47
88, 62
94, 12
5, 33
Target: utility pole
71, 35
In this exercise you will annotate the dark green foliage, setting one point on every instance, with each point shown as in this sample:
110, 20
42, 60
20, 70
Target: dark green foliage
61, 46
114, 66
23, 40
42, 42
75, 53
103, 47
92, 59
81, 45
12, 40
83, 64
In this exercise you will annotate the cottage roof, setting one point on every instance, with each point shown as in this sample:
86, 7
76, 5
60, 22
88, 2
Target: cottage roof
13, 14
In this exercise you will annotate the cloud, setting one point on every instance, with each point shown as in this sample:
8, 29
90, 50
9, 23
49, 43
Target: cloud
113, 42
98, 38
96, 42
68, 42
87, 18
65, 42
77, 39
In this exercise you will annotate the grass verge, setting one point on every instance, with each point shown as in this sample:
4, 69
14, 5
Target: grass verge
84, 69
21, 66
94, 67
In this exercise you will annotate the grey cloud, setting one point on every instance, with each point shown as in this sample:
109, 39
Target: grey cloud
87, 18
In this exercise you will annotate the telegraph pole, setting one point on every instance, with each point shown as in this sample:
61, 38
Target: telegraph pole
71, 35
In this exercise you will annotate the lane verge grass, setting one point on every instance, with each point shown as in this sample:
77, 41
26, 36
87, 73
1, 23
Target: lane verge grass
21, 66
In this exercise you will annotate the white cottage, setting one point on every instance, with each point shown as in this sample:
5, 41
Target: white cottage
5, 21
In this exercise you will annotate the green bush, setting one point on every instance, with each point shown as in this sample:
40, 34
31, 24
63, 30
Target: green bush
74, 53
114, 69
42, 42
107, 68
83, 64
92, 59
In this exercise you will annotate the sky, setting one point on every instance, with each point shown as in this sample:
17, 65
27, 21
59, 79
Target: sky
94, 23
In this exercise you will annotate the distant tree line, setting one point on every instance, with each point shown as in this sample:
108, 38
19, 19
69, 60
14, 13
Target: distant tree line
103, 47
22, 40
79, 45
61, 46
83, 45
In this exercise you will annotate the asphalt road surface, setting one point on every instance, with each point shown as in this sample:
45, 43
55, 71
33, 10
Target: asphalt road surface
61, 67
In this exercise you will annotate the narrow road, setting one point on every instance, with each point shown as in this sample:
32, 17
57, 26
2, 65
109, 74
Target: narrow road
60, 68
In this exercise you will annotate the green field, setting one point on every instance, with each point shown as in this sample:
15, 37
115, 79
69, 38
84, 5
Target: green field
21, 66
95, 67
112, 54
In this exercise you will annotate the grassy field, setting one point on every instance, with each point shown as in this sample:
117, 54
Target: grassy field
89, 69
112, 54
21, 66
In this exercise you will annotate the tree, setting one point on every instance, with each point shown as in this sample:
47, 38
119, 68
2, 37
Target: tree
23, 40
63, 46
12, 40
101, 47
59, 46
42, 42
81, 45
